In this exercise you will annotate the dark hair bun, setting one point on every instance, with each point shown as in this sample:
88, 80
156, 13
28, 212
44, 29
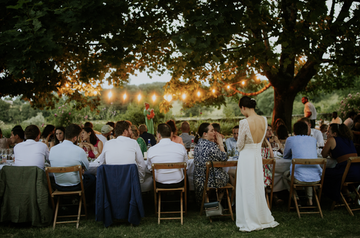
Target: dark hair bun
248, 102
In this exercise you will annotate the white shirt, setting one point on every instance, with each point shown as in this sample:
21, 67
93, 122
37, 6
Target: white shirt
31, 153
102, 138
67, 154
336, 120
167, 151
309, 107
349, 123
123, 150
318, 136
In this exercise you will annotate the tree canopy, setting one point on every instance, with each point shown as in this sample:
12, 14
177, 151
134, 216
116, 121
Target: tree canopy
67, 47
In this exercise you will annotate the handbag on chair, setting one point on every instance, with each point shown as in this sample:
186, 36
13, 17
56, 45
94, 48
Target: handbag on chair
213, 208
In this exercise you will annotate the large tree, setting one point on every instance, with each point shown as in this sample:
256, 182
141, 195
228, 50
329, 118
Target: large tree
295, 44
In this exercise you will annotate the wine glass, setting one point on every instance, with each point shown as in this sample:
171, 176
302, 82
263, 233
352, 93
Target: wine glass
3, 155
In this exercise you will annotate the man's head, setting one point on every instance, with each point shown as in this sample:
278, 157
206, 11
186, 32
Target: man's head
88, 124
307, 121
142, 128
123, 128
334, 115
300, 128
106, 130
216, 127
17, 134
32, 132
185, 127
72, 132
304, 100
163, 131
235, 132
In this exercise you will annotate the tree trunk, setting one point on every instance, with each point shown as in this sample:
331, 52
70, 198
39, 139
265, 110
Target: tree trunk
283, 106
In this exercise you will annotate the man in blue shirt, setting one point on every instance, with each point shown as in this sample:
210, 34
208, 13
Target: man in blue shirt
231, 143
302, 146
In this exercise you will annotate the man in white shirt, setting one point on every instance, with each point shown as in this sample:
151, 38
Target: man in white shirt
167, 151
185, 128
105, 133
314, 133
123, 149
31, 152
309, 111
335, 119
68, 154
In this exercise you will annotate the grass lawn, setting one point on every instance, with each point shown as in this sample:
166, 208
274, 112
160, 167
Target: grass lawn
337, 223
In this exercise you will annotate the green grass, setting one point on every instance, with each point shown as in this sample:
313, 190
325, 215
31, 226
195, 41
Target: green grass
337, 223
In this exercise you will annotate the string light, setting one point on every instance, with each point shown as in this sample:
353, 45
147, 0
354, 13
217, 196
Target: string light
109, 94
154, 98
168, 98
183, 96
198, 94
243, 82
228, 87
213, 90
124, 96
139, 97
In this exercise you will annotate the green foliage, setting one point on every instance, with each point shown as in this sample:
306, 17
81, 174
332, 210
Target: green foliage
4, 107
265, 102
348, 104
38, 120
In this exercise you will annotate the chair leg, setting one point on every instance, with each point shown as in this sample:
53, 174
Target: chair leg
181, 208
159, 207
79, 214
318, 202
84, 203
267, 199
56, 211
155, 201
271, 195
296, 205
346, 204
229, 204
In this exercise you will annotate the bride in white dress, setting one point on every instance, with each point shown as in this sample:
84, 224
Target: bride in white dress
252, 212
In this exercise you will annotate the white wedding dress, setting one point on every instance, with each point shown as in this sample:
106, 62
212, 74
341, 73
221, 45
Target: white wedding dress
252, 212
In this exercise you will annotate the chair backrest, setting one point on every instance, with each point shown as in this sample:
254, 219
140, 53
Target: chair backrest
272, 162
309, 162
350, 161
218, 164
76, 168
180, 165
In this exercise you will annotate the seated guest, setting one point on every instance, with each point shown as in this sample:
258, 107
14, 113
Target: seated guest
217, 129
278, 123
314, 132
335, 119
302, 146
31, 152
267, 153
207, 150
123, 149
106, 131
139, 140
231, 142
185, 129
339, 146
146, 136
323, 130
90, 143
282, 134
167, 151
68, 154
17, 135
112, 135
349, 122
48, 134
174, 137
4, 142
59, 136
89, 124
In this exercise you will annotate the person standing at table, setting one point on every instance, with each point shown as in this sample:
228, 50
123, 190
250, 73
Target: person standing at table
335, 118
349, 122
185, 128
232, 141
309, 111
252, 212
68, 154
167, 151
32, 152
123, 149
302, 146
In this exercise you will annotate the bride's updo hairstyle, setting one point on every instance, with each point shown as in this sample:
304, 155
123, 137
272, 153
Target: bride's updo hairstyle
203, 128
248, 102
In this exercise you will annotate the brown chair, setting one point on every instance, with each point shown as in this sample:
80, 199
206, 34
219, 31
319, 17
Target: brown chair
352, 185
270, 187
219, 164
80, 193
158, 191
317, 195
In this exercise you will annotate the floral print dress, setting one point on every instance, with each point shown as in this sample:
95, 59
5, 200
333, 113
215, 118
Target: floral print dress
204, 151
265, 154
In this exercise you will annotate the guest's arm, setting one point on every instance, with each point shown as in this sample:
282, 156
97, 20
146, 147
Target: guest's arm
330, 145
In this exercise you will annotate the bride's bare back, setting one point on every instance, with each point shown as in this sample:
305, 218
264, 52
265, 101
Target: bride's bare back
257, 127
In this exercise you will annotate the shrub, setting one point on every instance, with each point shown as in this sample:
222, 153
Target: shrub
348, 104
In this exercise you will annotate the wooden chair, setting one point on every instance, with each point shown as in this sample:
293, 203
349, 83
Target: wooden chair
158, 191
219, 164
352, 185
295, 186
80, 193
271, 186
